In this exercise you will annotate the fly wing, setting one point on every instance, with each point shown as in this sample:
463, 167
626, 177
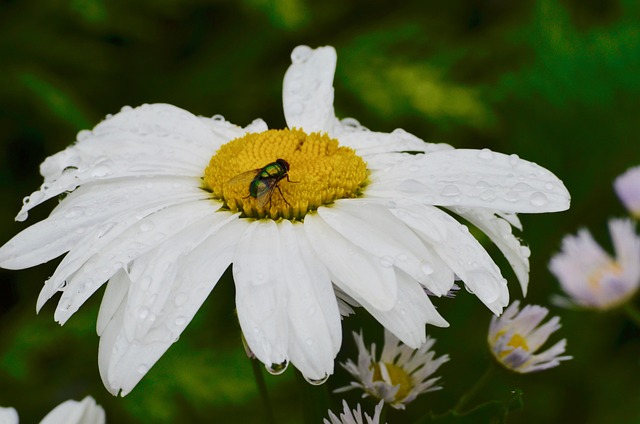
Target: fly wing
264, 190
243, 180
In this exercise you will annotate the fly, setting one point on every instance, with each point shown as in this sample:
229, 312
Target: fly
264, 181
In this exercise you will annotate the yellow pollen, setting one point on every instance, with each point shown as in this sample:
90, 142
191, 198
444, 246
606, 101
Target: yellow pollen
517, 341
320, 172
398, 377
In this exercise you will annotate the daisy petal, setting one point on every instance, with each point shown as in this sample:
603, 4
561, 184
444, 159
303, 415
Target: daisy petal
451, 240
407, 318
381, 234
156, 277
368, 143
120, 146
131, 244
312, 306
89, 206
261, 294
355, 271
307, 92
497, 228
474, 178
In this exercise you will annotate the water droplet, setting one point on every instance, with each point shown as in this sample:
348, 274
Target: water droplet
488, 195
126, 108
180, 321
143, 312
522, 187
309, 341
538, 199
511, 196
386, 261
426, 268
485, 154
146, 226
145, 282
450, 191
83, 135
318, 381
180, 299
301, 54
514, 159
548, 187
391, 204
218, 118
142, 369
100, 171
277, 369
525, 251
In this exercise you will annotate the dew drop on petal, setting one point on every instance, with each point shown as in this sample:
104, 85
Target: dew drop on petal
142, 369
488, 195
301, 54
511, 196
180, 321
100, 171
514, 159
538, 199
180, 299
317, 382
548, 187
485, 154
522, 187
143, 312
426, 268
386, 261
83, 135
450, 190
277, 369
218, 118
146, 226
125, 108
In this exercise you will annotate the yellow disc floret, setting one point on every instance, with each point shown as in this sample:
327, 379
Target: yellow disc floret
249, 174
398, 376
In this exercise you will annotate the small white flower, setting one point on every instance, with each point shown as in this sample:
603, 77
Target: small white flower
627, 186
354, 417
162, 202
69, 412
401, 373
590, 276
516, 336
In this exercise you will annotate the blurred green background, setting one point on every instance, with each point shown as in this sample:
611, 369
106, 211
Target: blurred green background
556, 82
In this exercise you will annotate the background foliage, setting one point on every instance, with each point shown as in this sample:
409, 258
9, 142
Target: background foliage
556, 82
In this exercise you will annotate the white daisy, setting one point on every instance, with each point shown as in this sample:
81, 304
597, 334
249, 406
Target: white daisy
590, 276
86, 411
627, 187
349, 416
401, 373
516, 336
160, 202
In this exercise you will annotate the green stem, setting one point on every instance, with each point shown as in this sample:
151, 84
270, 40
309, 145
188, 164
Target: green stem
262, 389
480, 383
315, 400
632, 313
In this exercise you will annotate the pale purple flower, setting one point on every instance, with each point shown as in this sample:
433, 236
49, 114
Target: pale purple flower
516, 336
590, 276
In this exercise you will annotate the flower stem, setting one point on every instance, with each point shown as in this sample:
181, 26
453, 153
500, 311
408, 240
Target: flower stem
315, 400
262, 389
480, 383
632, 313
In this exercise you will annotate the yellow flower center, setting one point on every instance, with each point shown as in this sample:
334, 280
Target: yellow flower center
283, 173
517, 341
398, 377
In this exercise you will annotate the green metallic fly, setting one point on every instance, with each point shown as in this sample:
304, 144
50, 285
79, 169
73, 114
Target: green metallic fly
264, 181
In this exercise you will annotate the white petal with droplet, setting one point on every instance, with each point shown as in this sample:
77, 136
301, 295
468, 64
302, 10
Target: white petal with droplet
462, 177
261, 293
359, 274
307, 92
311, 305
